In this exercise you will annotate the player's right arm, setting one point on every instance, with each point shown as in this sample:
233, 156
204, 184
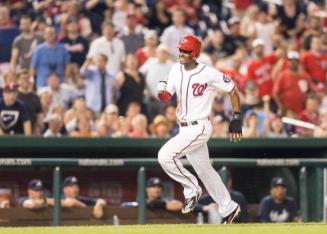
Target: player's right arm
166, 88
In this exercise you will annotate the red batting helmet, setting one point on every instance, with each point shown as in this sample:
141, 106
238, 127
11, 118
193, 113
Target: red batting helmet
190, 43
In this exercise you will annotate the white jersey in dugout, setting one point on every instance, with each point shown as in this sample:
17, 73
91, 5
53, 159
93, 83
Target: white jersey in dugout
195, 89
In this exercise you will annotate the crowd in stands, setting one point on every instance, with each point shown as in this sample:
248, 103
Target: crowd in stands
90, 68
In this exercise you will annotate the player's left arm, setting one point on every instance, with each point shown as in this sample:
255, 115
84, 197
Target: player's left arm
235, 126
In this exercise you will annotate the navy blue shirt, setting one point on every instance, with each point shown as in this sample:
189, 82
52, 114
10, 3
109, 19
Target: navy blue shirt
236, 196
12, 118
270, 211
86, 200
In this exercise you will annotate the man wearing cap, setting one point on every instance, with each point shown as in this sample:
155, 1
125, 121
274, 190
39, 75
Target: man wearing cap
277, 207
35, 198
292, 86
259, 69
234, 40
14, 118
71, 197
154, 197
154, 70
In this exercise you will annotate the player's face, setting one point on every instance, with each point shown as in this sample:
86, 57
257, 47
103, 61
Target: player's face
278, 192
35, 194
9, 97
154, 192
185, 56
71, 191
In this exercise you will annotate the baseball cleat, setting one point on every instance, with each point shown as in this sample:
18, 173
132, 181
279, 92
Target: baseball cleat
229, 218
190, 203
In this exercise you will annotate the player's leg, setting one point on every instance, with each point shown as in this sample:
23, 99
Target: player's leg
199, 158
169, 158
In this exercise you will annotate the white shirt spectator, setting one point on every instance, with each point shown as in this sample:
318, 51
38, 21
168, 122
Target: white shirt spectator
172, 35
265, 32
114, 50
155, 71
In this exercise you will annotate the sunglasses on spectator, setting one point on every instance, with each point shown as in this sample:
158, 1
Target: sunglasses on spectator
185, 51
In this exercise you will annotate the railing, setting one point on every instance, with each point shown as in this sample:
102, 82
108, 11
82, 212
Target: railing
318, 164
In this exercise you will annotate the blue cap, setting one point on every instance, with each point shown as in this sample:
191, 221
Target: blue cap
70, 180
277, 181
154, 181
35, 185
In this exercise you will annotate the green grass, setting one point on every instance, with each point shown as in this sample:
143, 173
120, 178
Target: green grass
309, 228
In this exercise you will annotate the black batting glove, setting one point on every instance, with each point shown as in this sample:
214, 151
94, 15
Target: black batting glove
235, 127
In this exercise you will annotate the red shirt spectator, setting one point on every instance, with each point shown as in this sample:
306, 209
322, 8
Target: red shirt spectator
315, 61
259, 70
292, 89
315, 65
310, 115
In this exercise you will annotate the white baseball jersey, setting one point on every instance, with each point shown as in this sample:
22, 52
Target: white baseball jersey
195, 89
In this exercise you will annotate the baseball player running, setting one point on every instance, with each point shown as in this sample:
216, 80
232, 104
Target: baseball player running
194, 84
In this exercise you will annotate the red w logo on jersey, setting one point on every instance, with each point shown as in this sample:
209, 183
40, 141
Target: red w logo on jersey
198, 89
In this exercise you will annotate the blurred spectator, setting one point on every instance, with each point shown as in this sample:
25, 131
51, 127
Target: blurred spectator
235, 71
75, 44
61, 93
240, 6
24, 45
259, 69
309, 114
214, 45
132, 36
154, 197
100, 86
46, 103
265, 28
131, 85
122, 8
292, 86
220, 127
314, 61
159, 17
78, 108
250, 125
35, 196
71, 197
150, 48
287, 14
111, 46
277, 207
218, 107
160, 127
247, 26
8, 32
314, 29
209, 207
55, 124
95, 11
251, 96
170, 114
139, 126
273, 125
109, 123
48, 9
30, 100
50, 57
71, 12
175, 32
322, 130
13, 114
154, 70
83, 127
234, 39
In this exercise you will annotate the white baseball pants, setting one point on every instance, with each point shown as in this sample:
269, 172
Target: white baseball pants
192, 142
